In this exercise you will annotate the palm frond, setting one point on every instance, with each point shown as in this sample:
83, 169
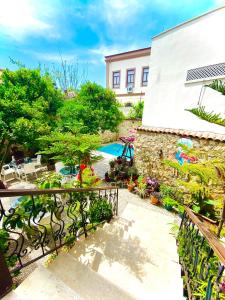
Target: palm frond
211, 117
218, 86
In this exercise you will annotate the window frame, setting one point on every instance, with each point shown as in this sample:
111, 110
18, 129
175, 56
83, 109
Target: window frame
142, 75
118, 86
130, 69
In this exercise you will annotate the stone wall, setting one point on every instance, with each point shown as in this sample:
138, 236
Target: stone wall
124, 129
152, 147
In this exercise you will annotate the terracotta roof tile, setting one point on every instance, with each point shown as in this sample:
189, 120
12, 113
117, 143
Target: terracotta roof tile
199, 134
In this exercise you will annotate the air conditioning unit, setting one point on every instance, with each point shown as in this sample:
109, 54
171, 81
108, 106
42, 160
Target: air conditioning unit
130, 88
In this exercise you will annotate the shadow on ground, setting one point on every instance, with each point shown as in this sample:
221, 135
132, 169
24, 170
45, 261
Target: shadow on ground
114, 244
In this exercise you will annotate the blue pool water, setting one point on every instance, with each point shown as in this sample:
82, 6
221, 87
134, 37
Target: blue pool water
114, 149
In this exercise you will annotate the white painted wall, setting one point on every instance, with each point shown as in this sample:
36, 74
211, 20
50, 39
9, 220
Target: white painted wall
122, 66
194, 44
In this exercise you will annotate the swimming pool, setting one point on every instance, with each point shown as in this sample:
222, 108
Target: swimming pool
115, 149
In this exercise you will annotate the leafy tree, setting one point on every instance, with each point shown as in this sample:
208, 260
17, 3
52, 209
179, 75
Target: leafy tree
95, 107
71, 148
28, 106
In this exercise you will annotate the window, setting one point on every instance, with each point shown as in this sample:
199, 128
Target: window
145, 72
116, 79
130, 77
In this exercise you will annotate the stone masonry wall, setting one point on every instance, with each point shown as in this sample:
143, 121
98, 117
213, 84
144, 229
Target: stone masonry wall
124, 129
152, 147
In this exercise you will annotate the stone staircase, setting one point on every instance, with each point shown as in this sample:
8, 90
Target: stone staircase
133, 257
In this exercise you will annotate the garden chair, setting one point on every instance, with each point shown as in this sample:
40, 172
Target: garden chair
8, 171
37, 160
29, 169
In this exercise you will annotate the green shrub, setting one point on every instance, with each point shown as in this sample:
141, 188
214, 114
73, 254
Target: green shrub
136, 111
101, 210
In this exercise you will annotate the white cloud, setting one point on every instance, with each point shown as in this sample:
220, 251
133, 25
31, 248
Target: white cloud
121, 11
104, 50
54, 57
19, 18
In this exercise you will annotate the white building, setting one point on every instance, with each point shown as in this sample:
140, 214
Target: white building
127, 74
183, 60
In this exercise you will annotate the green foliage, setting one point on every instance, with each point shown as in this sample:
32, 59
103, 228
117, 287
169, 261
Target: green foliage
89, 179
207, 116
141, 187
197, 180
218, 85
49, 180
166, 190
197, 283
174, 230
100, 210
28, 106
72, 149
94, 108
211, 117
136, 111
4, 237
167, 201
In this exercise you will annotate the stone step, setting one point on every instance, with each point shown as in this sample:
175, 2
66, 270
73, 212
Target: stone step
132, 258
44, 285
118, 255
86, 282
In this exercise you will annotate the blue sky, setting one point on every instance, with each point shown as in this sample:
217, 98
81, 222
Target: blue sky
43, 31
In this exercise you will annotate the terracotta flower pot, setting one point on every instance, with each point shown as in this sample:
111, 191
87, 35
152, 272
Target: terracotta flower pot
154, 200
130, 187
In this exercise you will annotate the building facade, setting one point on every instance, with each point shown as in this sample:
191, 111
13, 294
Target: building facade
127, 74
184, 59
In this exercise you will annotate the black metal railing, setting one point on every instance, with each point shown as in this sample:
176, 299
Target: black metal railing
202, 257
35, 223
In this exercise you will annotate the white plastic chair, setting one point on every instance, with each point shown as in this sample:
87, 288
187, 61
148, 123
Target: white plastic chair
37, 160
19, 170
7, 171
29, 169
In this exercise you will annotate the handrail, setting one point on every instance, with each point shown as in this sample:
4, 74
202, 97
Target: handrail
23, 192
212, 239
43, 227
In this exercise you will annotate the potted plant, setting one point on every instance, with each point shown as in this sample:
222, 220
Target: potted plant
141, 187
131, 185
155, 198
112, 164
132, 172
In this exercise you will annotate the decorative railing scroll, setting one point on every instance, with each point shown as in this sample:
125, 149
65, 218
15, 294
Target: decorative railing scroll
202, 257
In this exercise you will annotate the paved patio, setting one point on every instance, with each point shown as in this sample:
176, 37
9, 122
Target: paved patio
102, 166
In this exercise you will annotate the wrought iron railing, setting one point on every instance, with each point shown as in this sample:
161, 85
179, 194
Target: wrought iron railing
35, 223
202, 257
